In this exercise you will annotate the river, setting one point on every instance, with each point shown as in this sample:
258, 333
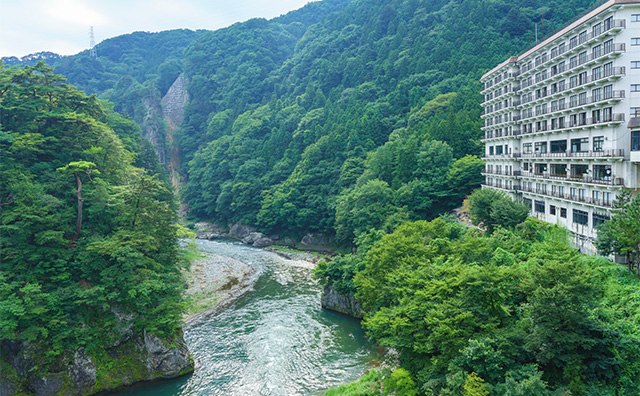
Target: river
274, 340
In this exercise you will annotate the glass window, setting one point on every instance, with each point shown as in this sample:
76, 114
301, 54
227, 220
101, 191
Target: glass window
607, 46
635, 64
608, 91
595, 117
596, 72
552, 209
573, 62
573, 42
635, 87
541, 147
582, 57
596, 29
582, 98
563, 212
526, 148
608, 23
527, 202
599, 219
582, 37
579, 145
635, 41
602, 172
596, 95
539, 206
635, 140
580, 217
635, 17
635, 112
558, 146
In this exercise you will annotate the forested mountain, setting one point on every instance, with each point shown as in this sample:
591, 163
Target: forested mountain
377, 104
299, 123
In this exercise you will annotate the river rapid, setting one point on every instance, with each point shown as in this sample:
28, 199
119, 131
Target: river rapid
274, 340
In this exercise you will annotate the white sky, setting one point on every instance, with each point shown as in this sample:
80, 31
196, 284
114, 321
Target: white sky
62, 26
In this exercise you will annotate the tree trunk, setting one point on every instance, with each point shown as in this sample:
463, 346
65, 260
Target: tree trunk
79, 222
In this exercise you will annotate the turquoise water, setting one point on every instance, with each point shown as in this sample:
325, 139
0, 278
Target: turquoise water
275, 340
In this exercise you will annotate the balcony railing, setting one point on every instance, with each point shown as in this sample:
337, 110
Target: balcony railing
608, 181
610, 153
567, 196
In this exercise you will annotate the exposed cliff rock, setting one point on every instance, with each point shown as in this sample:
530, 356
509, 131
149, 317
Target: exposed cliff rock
241, 231
345, 304
317, 242
141, 358
153, 128
173, 105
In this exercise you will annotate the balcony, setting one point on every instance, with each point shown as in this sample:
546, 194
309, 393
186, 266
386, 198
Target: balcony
612, 153
584, 179
568, 197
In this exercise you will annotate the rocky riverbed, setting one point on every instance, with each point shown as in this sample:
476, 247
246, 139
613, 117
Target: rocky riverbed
213, 282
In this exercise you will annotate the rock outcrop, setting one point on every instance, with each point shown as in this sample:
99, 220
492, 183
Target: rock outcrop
140, 358
338, 302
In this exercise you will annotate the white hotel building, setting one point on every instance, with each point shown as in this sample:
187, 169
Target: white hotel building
561, 131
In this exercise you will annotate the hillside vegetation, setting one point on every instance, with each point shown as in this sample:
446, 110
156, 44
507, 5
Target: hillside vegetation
297, 124
89, 255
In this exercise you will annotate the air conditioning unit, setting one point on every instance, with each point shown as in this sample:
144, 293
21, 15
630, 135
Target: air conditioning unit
618, 181
586, 178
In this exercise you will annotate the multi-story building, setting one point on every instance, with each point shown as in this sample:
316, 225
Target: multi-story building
561, 132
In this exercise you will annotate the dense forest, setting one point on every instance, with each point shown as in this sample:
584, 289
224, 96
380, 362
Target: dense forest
89, 254
518, 312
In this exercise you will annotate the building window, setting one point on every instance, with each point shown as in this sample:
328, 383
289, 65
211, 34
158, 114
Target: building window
608, 23
635, 64
635, 41
573, 101
608, 69
635, 87
635, 140
541, 147
573, 42
582, 37
498, 150
595, 117
539, 206
602, 172
635, 17
490, 150
607, 114
552, 210
582, 98
558, 146
563, 212
578, 172
527, 202
598, 143
635, 112
580, 217
596, 29
606, 197
573, 62
596, 95
526, 148
599, 219
596, 72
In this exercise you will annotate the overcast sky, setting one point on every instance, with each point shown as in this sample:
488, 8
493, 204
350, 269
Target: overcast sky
62, 26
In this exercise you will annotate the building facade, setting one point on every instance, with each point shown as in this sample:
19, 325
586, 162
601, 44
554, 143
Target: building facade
561, 132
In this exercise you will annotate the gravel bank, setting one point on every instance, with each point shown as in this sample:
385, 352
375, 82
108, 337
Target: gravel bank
213, 283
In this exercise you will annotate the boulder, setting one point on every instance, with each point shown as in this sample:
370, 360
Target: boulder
252, 237
263, 242
241, 231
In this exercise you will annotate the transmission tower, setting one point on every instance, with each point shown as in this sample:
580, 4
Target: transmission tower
92, 44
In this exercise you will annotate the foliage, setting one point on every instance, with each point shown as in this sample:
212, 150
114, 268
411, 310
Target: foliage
621, 234
74, 258
493, 208
517, 312
378, 383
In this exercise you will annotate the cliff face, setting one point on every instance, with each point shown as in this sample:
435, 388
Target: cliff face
345, 304
139, 358
173, 105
